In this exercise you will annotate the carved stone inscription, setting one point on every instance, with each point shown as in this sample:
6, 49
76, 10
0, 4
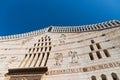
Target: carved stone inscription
84, 69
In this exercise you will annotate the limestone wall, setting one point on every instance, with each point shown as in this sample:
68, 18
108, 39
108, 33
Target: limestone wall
71, 60
68, 55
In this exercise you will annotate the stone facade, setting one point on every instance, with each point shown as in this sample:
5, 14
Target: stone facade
90, 52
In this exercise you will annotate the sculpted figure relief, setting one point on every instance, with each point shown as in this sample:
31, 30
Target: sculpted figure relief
74, 56
62, 38
58, 58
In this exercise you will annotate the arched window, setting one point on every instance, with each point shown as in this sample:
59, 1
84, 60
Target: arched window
98, 55
114, 76
92, 41
91, 56
93, 78
98, 45
106, 53
91, 47
103, 77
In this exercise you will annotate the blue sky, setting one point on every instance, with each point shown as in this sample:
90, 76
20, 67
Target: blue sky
19, 16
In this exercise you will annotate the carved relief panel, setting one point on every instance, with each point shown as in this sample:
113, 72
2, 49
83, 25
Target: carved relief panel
73, 56
62, 38
58, 59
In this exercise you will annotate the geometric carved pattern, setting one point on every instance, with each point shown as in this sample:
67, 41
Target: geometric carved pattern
38, 54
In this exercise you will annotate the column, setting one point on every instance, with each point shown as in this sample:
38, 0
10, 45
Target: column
44, 59
34, 60
25, 61
39, 60
29, 60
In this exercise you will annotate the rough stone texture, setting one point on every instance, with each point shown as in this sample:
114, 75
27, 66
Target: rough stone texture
66, 54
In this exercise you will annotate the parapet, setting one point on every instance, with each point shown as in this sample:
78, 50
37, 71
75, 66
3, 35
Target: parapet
65, 29
24, 35
86, 28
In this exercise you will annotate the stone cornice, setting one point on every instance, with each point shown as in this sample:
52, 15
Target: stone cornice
87, 28
65, 29
24, 35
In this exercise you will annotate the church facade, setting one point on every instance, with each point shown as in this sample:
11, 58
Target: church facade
90, 52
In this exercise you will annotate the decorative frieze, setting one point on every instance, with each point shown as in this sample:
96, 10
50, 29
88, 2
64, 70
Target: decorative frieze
84, 69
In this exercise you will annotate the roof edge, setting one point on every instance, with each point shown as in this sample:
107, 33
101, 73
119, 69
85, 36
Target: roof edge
68, 29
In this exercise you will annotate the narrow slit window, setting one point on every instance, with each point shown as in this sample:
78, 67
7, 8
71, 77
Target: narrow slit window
42, 44
45, 48
38, 44
98, 55
42, 59
39, 40
49, 43
32, 59
38, 55
25, 55
46, 59
103, 77
29, 49
46, 43
93, 78
49, 48
33, 49
34, 45
91, 47
41, 49
106, 53
37, 49
37, 59
92, 41
34, 55
91, 56
98, 46
114, 76
30, 55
